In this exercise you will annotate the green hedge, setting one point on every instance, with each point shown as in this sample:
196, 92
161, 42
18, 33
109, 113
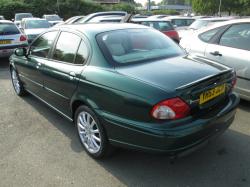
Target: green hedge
67, 8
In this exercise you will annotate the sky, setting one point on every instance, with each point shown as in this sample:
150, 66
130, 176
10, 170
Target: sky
144, 1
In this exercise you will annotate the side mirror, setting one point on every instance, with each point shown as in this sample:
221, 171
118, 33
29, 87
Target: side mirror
12, 20
175, 26
21, 52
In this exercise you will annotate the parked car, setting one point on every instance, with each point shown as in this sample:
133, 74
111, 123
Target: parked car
127, 85
53, 19
164, 26
201, 23
180, 22
20, 16
32, 27
10, 38
227, 43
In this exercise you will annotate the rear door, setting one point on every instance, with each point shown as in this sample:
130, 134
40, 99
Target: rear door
233, 50
61, 72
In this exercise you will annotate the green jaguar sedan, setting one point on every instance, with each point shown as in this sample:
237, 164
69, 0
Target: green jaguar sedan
127, 85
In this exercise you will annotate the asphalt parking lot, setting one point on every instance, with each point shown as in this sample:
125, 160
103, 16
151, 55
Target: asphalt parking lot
38, 147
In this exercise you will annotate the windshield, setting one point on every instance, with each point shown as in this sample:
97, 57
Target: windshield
159, 25
53, 18
19, 17
8, 29
137, 45
36, 24
199, 24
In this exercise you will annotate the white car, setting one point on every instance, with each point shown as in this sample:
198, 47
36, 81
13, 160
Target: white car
32, 27
10, 38
227, 43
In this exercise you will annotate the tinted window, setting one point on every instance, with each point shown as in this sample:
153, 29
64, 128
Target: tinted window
42, 45
137, 45
81, 54
66, 47
206, 36
8, 29
237, 36
159, 25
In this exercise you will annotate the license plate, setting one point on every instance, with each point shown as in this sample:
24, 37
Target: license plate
210, 94
2, 42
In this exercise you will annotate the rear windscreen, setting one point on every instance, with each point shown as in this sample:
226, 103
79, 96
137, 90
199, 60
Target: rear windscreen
8, 29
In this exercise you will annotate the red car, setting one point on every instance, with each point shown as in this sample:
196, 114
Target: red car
164, 26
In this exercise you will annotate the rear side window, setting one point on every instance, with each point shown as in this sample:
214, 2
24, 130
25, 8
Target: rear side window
207, 36
8, 29
42, 45
237, 36
66, 47
82, 53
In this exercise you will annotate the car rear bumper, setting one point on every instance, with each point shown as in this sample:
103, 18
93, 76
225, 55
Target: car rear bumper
178, 140
14, 46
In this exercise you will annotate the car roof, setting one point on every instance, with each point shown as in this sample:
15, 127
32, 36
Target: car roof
220, 24
27, 19
177, 17
216, 18
149, 19
23, 13
6, 21
96, 28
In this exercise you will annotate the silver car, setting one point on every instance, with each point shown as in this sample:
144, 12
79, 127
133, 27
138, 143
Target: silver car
227, 43
10, 38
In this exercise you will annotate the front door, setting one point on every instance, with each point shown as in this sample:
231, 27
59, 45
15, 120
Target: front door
30, 67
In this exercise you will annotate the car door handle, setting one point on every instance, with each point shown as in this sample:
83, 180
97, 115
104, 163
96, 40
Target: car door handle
216, 53
72, 75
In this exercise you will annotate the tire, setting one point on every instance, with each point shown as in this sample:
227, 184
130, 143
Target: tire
91, 133
17, 84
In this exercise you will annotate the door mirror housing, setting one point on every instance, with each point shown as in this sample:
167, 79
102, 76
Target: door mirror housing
13, 20
21, 52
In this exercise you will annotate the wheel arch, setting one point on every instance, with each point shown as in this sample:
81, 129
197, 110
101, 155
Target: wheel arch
79, 101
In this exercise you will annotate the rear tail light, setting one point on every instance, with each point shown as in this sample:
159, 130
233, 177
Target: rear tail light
174, 108
23, 38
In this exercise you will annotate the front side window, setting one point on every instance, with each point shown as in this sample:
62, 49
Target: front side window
42, 45
237, 36
66, 47
137, 45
